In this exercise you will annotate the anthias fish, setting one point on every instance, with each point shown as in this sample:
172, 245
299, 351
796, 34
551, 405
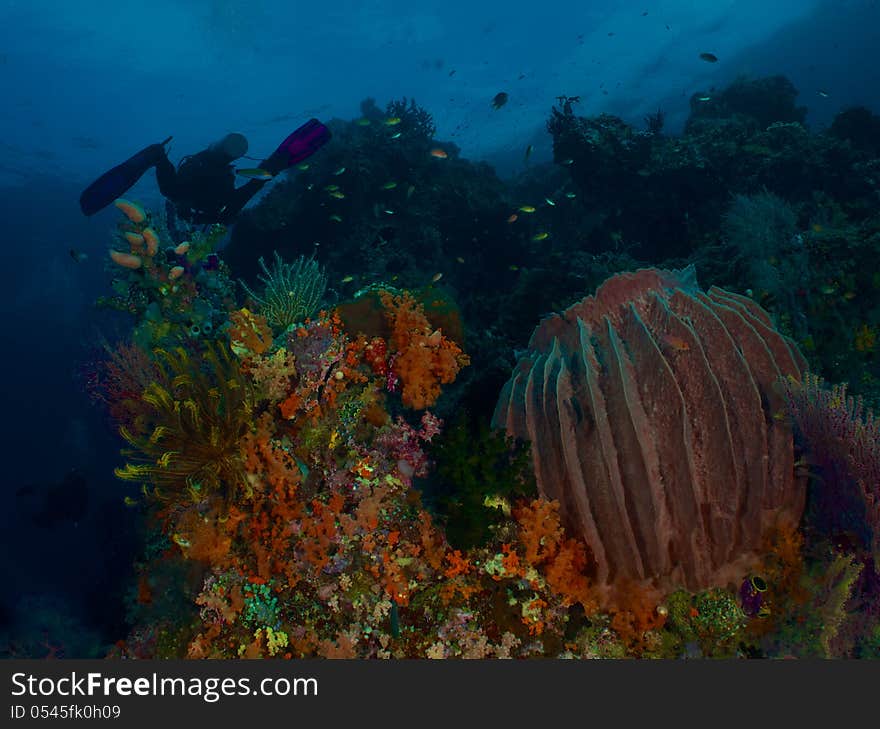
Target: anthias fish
254, 173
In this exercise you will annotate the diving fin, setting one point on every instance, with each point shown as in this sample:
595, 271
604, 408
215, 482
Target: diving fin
116, 182
299, 145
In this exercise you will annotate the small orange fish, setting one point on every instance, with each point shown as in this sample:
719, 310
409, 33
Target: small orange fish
439, 153
677, 343
513, 218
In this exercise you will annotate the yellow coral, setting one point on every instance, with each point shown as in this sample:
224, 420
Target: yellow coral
275, 639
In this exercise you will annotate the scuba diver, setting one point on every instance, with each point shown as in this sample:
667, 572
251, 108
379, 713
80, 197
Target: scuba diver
202, 187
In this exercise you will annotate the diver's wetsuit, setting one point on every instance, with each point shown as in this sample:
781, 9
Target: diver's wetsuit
202, 188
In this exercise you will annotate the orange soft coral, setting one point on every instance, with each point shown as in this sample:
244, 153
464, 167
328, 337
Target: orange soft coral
273, 375
249, 333
425, 358
563, 561
540, 529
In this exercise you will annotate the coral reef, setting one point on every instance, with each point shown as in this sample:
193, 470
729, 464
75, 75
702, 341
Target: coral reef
179, 293
762, 231
758, 101
480, 473
328, 550
860, 127
301, 501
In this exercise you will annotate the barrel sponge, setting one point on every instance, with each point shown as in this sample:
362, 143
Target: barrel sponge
650, 409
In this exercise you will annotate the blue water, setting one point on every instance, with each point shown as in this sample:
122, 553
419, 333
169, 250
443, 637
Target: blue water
86, 84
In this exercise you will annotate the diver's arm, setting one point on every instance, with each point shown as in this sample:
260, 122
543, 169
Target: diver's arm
298, 145
239, 198
166, 176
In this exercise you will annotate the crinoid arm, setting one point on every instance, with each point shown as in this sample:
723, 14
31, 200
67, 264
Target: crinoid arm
291, 291
185, 444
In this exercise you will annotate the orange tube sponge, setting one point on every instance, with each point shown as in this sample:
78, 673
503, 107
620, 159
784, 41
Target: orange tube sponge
126, 260
136, 240
152, 241
134, 212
